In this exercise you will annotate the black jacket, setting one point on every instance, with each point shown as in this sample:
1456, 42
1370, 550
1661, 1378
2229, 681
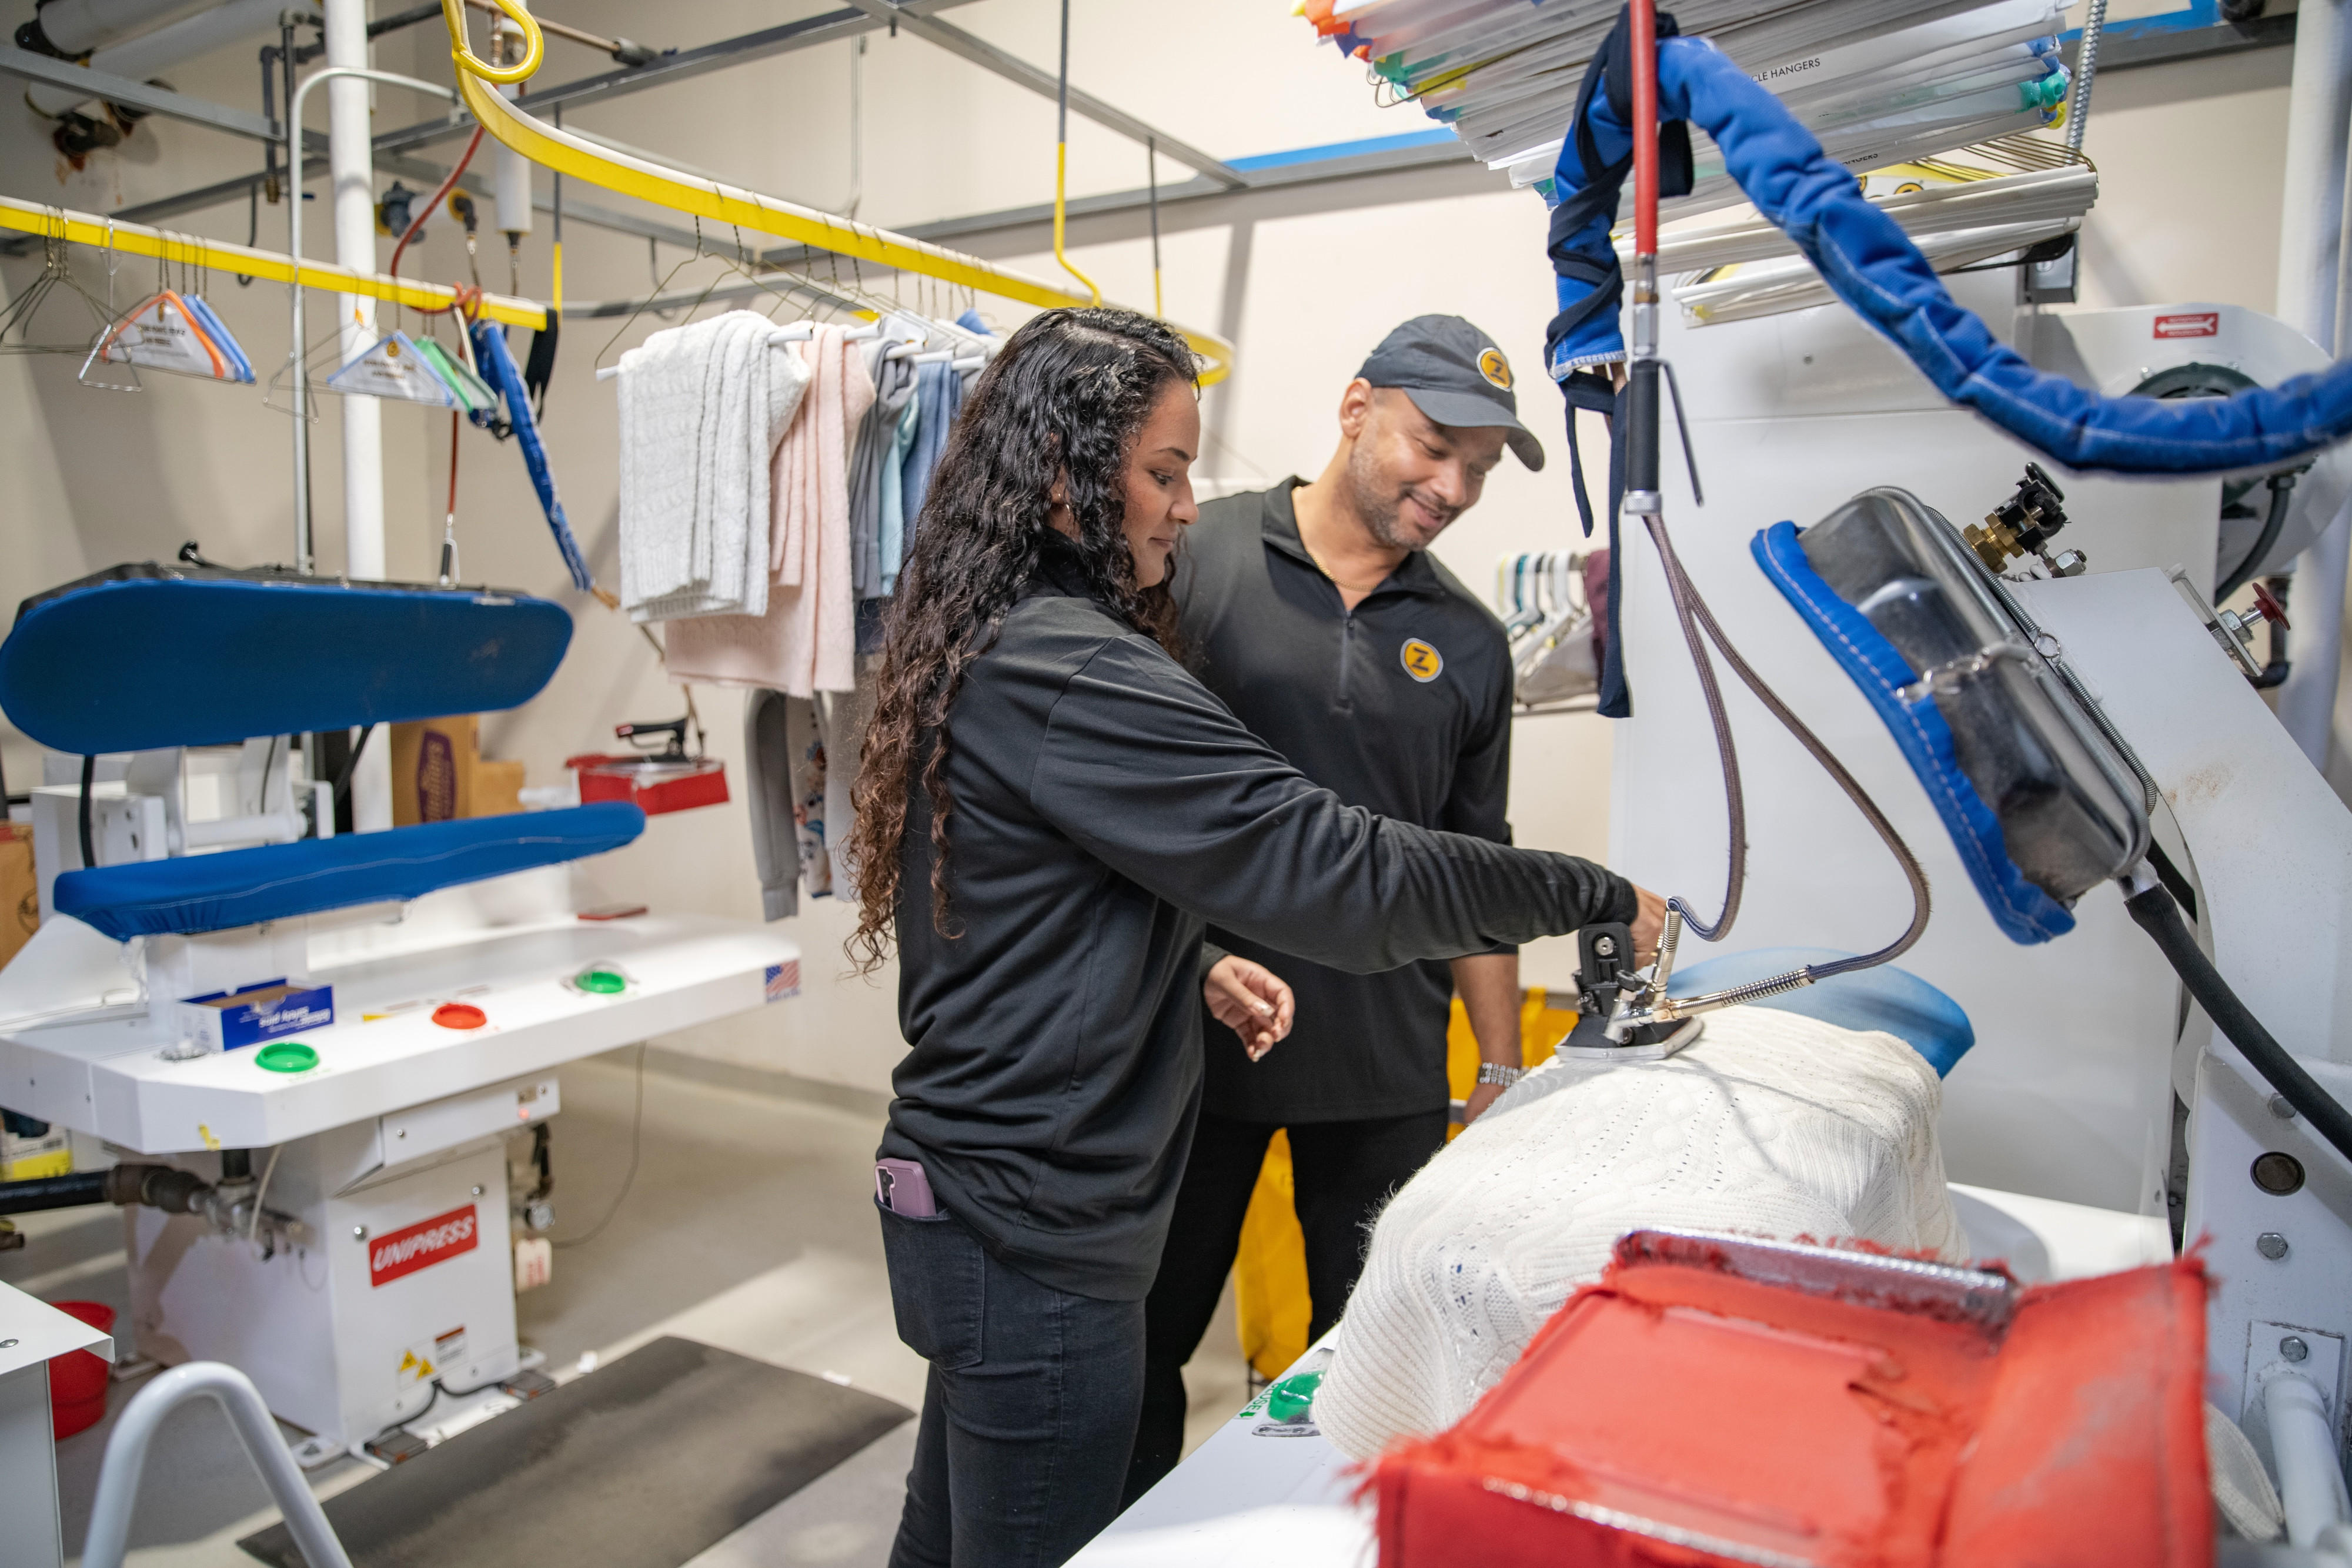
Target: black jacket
1402, 706
1105, 807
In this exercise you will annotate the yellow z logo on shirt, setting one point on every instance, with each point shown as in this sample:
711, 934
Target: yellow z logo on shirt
1421, 662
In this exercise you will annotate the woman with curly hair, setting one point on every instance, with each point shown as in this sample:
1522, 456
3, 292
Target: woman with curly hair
1050, 811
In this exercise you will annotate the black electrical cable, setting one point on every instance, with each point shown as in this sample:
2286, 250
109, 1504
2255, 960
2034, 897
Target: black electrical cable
636, 1128
2170, 875
2282, 489
2154, 909
344, 774
402, 1425
88, 777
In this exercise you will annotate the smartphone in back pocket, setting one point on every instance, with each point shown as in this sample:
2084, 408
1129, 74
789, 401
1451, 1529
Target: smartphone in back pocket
902, 1187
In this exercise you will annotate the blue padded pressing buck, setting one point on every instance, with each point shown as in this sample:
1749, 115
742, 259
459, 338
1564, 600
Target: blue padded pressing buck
1895, 1001
149, 656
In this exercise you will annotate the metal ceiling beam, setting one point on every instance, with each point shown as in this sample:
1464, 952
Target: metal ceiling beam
429, 175
681, 65
134, 94
1013, 69
1314, 171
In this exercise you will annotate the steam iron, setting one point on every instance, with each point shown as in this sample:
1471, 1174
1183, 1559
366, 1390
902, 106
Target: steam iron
1617, 1014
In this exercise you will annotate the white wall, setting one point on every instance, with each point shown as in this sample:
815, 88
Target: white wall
1304, 282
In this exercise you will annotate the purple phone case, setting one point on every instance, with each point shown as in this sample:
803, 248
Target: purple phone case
902, 1187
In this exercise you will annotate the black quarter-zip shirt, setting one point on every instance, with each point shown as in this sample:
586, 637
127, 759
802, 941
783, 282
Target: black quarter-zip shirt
1105, 807
1402, 707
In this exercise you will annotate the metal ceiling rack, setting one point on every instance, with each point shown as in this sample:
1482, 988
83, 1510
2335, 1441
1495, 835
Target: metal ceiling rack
574, 157
218, 256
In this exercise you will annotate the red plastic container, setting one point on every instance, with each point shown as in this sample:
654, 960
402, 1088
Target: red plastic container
653, 785
1680, 1415
78, 1379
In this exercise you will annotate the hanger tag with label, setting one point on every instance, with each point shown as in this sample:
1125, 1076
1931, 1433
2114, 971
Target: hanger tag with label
393, 367
162, 333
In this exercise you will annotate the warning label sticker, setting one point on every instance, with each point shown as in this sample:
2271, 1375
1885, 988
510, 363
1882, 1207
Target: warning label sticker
423, 1244
2189, 324
423, 1361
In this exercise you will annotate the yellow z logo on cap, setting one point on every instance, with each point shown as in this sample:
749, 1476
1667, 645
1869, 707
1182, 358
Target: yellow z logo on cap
1421, 662
1496, 369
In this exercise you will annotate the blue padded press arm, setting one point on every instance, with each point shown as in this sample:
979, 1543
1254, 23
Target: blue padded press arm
187, 895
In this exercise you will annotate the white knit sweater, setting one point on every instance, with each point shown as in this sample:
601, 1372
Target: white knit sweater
1772, 1124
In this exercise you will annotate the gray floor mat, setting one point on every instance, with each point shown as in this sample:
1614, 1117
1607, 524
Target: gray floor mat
642, 1464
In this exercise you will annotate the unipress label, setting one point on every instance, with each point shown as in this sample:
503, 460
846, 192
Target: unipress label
2189, 324
422, 1245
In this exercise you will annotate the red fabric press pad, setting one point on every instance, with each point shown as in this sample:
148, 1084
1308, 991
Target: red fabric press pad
1672, 1415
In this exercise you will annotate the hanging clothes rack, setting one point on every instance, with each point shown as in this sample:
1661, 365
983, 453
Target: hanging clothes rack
563, 153
218, 256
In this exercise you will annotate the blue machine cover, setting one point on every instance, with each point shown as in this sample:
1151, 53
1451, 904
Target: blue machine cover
194, 893
1886, 999
1870, 261
155, 655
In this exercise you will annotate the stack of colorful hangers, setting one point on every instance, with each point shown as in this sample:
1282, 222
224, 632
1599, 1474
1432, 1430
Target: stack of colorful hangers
416, 370
1879, 81
171, 331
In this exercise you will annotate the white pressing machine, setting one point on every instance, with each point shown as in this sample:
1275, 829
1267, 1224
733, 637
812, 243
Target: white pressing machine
309, 1053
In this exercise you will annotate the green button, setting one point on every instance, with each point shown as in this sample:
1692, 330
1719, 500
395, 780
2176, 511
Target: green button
1292, 1397
285, 1056
600, 982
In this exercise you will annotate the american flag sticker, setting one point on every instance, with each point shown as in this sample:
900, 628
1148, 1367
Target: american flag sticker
783, 980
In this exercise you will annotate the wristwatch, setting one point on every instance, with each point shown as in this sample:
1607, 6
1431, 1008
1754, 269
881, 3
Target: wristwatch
1495, 1073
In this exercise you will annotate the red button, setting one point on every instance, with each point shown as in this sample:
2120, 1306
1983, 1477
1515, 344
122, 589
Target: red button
459, 1015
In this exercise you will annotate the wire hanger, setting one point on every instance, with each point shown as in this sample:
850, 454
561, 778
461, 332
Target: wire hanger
56, 269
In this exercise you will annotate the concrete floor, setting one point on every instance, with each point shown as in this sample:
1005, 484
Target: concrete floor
748, 1228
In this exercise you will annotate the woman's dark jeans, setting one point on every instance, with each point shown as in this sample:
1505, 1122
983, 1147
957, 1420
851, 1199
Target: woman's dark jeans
1029, 1415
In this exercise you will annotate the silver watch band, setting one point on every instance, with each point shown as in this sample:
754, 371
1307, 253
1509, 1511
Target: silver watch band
1495, 1073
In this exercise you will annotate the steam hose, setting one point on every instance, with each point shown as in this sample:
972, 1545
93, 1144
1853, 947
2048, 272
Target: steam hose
2159, 916
1695, 614
1643, 499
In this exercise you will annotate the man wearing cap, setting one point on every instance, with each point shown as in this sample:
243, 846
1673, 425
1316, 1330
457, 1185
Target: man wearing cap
1316, 611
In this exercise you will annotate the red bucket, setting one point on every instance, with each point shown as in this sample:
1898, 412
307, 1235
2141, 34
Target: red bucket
78, 1378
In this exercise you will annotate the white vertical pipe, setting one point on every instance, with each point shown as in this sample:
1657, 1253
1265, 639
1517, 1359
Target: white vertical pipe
2303, 1443
351, 170
2311, 256
2311, 230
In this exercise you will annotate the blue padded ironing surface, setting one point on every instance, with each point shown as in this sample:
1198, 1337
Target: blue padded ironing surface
1887, 998
146, 657
194, 893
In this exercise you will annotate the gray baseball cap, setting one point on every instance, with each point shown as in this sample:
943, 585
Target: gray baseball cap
1455, 374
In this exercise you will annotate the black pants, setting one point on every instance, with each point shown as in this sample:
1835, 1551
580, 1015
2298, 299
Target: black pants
1342, 1173
1029, 1412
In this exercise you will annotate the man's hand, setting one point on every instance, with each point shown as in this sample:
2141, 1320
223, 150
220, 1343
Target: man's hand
1481, 1096
1649, 924
1251, 1000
